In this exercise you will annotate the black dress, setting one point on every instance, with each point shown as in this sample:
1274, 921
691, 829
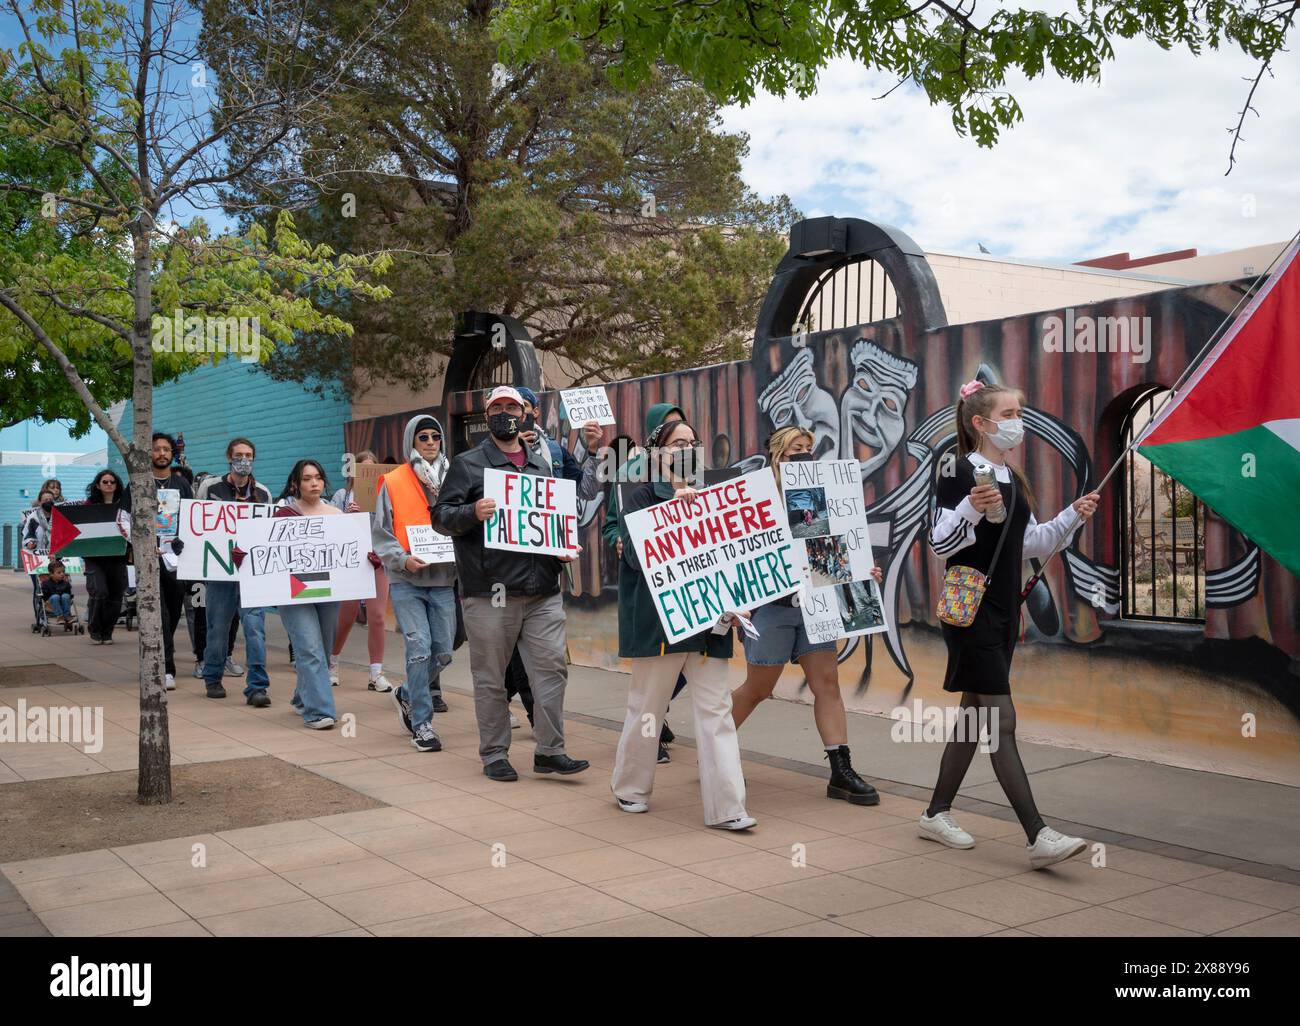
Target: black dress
979, 656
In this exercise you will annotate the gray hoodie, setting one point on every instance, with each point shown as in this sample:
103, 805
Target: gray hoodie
384, 541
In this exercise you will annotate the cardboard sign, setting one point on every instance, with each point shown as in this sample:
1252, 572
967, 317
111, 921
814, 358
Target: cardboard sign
39, 563
826, 513
535, 514
169, 509
729, 550
301, 560
584, 404
206, 528
428, 545
365, 483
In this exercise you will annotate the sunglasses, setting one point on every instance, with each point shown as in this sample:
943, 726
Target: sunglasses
428, 436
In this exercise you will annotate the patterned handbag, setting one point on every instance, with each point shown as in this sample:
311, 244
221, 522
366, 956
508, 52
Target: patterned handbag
964, 586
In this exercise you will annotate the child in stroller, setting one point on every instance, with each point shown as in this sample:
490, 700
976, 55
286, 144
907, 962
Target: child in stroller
57, 603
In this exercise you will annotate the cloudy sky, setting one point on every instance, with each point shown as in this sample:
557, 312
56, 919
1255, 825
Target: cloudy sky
1133, 164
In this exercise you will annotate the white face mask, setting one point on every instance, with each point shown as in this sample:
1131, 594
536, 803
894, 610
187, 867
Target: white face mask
1009, 434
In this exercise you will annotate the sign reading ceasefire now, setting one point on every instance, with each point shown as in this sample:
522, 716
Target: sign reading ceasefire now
534, 514
729, 550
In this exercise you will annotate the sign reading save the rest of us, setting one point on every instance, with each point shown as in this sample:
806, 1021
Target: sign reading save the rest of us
534, 514
728, 550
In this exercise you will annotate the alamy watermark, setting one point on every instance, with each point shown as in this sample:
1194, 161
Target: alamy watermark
232, 336
1087, 334
58, 724
921, 722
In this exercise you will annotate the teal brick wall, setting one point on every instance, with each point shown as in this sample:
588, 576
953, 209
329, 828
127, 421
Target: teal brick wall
285, 422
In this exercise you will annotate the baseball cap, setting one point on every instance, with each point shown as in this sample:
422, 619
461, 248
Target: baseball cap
503, 392
528, 395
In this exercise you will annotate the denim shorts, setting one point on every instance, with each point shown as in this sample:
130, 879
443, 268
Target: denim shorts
782, 637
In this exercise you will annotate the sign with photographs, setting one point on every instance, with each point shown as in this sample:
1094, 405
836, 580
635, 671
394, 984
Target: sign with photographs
729, 550
825, 510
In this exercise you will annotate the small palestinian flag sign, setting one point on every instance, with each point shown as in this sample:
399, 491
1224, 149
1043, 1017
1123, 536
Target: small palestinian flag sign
309, 586
86, 529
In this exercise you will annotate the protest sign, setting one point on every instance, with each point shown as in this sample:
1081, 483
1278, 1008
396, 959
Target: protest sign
206, 529
534, 514
297, 560
584, 404
39, 563
825, 510
169, 508
365, 483
729, 550
428, 545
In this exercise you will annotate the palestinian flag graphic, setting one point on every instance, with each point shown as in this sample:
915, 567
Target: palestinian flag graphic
1233, 436
86, 529
309, 586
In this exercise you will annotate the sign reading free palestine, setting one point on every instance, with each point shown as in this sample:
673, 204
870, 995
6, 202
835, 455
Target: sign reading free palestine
535, 514
729, 550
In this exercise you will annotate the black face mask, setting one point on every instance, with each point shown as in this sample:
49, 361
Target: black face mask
504, 426
801, 457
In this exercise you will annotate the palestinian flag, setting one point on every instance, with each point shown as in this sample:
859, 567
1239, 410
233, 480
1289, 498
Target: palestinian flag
309, 586
86, 529
1233, 435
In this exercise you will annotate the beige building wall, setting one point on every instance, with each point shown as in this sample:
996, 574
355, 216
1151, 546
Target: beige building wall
1237, 263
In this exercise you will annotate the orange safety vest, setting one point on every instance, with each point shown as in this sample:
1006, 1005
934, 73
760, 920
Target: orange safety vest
409, 500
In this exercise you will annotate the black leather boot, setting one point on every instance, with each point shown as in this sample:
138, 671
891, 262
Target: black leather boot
845, 782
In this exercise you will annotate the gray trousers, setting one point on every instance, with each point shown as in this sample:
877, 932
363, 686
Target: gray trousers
536, 625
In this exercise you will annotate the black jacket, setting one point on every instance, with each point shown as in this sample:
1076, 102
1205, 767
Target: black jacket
479, 568
220, 489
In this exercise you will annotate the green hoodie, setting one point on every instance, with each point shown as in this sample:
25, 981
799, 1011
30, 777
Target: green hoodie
632, 470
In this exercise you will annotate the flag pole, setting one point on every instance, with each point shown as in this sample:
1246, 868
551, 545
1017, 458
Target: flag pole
1195, 362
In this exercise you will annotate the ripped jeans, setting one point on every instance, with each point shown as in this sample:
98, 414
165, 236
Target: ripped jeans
427, 619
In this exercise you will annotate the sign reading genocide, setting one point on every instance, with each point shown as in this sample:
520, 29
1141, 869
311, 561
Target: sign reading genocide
584, 404
296, 560
729, 550
428, 545
206, 527
826, 514
534, 514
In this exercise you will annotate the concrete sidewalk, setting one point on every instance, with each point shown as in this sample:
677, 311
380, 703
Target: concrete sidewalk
1180, 858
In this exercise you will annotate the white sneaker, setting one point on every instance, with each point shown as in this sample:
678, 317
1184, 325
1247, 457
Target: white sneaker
514, 723
380, 684
1050, 847
334, 676
324, 723
944, 829
233, 668
169, 682
743, 823
632, 806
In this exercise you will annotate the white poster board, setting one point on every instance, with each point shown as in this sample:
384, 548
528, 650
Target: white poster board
535, 514
589, 403
301, 560
39, 563
207, 529
826, 513
729, 550
428, 545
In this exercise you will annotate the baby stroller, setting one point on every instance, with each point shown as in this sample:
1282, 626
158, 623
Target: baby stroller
45, 622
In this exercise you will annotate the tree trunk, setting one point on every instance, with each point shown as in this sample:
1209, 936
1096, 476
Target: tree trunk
155, 780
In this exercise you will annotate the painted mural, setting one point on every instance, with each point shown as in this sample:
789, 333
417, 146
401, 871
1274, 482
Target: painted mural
883, 393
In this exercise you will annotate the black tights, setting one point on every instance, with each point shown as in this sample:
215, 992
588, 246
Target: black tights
1007, 766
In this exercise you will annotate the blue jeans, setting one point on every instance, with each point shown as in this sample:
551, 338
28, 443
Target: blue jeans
427, 620
311, 628
61, 605
221, 603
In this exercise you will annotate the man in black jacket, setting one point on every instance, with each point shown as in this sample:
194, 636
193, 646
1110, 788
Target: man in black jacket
170, 590
509, 598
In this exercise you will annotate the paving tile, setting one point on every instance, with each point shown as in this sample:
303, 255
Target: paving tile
248, 838
446, 859
1002, 901
736, 915
820, 928
1284, 924
468, 921
495, 826
918, 877
173, 849
628, 828
216, 899
645, 924
843, 853
65, 891
1080, 880
773, 832
326, 851
1273, 893
442, 810
1176, 905
187, 928
899, 836
221, 864
308, 918
1157, 867
406, 838
347, 824
578, 810
553, 840
353, 875
564, 909
664, 888
831, 894
104, 917
515, 879
599, 864
30, 870
917, 918
992, 858
395, 901
754, 869
1102, 922
697, 846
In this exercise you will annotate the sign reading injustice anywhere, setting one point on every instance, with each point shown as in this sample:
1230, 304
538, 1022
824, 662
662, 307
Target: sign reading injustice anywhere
826, 514
729, 550
584, 404
534, 514
294, 560
206, 527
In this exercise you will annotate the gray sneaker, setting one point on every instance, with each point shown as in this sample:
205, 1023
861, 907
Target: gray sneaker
425, 740
233, 668
198, 670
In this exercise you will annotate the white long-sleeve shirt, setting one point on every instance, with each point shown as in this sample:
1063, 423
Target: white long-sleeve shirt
952, 530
